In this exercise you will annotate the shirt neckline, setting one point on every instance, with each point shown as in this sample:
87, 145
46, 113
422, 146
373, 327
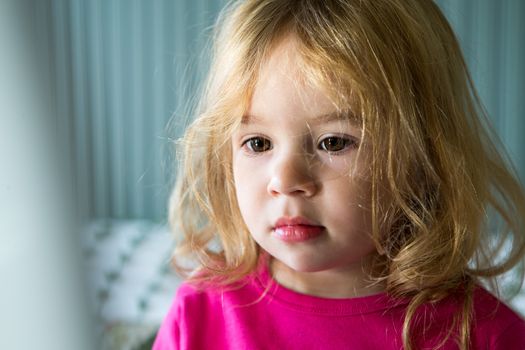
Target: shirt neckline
272, 291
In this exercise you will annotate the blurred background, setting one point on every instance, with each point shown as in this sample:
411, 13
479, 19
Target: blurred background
93, 94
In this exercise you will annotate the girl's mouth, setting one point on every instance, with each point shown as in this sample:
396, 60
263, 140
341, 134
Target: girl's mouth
297, 233
296, 229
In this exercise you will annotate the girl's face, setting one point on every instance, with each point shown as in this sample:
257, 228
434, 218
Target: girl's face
301, 190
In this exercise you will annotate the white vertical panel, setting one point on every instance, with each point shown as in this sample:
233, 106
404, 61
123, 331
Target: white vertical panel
513, 73
135, 155
83, 161
116, 123
41, 299
179, 43
150, 144
63, 83
96, 111
159, 114
489, 53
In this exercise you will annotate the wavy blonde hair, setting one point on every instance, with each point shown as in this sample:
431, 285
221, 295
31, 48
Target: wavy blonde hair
397, 64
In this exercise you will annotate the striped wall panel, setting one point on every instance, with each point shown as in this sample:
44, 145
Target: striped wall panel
124, 67
492, 37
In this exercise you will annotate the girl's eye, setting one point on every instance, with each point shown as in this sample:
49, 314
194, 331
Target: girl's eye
257, 144
335, 144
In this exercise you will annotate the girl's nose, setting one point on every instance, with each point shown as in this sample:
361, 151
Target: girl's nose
292, 176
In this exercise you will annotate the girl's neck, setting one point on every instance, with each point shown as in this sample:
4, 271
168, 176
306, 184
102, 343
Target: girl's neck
348, 283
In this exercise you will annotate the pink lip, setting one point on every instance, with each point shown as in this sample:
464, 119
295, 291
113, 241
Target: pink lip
291, 221
296, 229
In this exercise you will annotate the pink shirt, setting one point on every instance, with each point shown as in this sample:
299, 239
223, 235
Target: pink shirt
246, 318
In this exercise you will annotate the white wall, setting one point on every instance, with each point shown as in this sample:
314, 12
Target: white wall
41, 300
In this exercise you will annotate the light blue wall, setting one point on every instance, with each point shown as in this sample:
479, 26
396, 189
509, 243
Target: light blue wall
123, 67
492, 34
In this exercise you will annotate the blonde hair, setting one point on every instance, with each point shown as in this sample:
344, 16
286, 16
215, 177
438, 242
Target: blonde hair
399, 67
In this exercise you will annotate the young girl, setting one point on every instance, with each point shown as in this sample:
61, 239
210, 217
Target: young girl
337, 185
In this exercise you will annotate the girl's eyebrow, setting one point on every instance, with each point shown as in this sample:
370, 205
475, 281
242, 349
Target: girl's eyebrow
346, 115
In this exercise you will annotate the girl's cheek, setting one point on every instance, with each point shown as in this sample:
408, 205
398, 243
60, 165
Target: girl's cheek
338, 165
248, 168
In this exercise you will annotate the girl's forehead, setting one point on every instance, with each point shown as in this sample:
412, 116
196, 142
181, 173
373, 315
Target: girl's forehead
284, 66
285, 87
283, 51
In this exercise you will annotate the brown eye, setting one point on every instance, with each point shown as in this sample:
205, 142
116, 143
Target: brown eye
335, 144
258, 144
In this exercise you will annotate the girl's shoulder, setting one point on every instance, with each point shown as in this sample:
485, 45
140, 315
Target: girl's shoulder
200, 295
191, 294
196, 310
488, 307
495, 323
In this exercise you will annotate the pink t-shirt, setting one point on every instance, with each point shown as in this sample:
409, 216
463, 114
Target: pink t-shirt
250, 318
